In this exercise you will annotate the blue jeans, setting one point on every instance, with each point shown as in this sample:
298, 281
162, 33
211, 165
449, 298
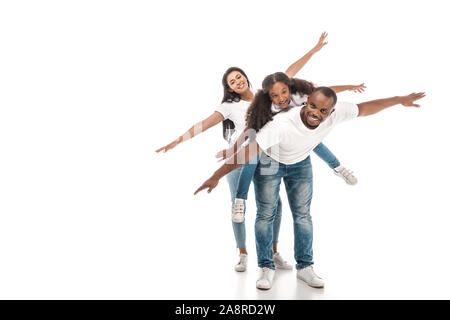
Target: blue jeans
239, 228
326, 155
248, 170
298, 181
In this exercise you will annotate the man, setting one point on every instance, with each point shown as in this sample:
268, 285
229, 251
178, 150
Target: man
287, 142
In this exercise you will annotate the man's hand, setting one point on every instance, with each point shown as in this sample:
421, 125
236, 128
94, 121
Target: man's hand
408, 101
209, 184
321, 43
170, 145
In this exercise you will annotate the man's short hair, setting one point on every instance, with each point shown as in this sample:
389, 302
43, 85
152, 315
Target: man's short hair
327, 92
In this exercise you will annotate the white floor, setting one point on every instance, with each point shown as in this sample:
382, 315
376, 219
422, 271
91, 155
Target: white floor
363, 248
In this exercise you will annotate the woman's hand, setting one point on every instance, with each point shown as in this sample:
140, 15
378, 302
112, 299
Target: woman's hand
209, 184
170, 145
321, 42
359, 88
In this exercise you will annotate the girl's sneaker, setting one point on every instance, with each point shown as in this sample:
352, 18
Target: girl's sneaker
280, 263
345, 174
238, 211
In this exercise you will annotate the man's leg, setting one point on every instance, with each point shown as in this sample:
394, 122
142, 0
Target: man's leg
299, 186
267, 186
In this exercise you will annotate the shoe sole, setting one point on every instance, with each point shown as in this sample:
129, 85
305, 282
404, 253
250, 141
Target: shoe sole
284, 268
262, 288
312, 286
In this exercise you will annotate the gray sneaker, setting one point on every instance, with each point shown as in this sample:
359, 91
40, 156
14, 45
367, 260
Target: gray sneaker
265, 279
310, 277
345, 174
241, 266
238, 211
280, 263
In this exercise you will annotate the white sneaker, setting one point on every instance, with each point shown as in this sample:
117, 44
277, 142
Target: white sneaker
242, 264
345, 174
310, 277
265, 279
280, 263
238, 211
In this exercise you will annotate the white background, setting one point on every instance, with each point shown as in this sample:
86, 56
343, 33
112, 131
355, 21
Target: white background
90, 89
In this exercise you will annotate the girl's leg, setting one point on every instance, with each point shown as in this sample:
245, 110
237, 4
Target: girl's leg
243, 184
238, 228
326, 155
245, 178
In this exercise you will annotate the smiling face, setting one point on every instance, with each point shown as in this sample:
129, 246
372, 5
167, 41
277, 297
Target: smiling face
280, 94
317, 109
237, 82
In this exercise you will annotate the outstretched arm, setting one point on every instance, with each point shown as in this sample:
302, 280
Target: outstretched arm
371, 107
200, 127
236, 161
358, 88
222, 155
300, 63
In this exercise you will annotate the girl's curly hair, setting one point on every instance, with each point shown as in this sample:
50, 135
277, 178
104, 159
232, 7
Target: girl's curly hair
259, 112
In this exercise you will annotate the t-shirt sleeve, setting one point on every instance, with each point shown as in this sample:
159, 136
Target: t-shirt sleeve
299, 99
224, 109
345, 111
269, 136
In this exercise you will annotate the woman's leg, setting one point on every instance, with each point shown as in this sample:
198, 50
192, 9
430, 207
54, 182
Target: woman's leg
276, 226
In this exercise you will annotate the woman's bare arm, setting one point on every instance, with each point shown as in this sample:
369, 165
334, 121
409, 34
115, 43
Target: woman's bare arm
197, 128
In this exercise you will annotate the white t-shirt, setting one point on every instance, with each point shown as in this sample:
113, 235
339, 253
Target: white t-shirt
287, 140
236, 112
297, 100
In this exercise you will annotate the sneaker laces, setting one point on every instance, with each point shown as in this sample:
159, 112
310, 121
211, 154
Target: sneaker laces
242, 259
279, 259
345, 172
310, 268
265, 272
238, 208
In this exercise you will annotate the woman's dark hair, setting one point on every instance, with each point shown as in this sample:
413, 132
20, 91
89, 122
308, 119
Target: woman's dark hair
230, 96
260, 111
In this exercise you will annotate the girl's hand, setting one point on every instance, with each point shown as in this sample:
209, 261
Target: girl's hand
170, 145
359, 88
321, 42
